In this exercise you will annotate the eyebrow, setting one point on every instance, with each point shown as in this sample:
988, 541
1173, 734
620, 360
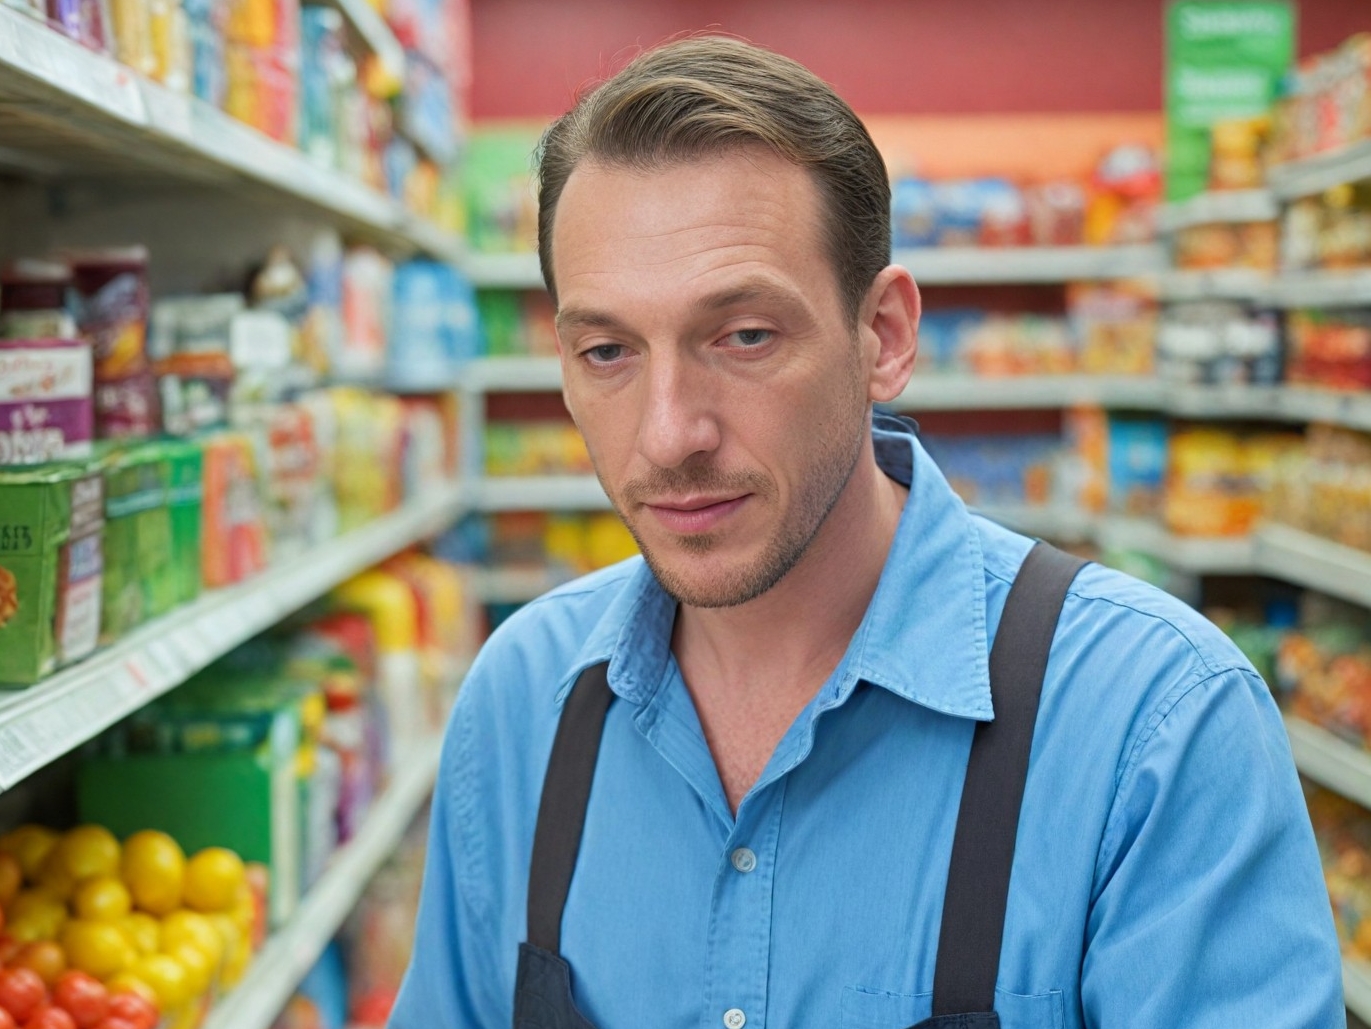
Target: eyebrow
749, 291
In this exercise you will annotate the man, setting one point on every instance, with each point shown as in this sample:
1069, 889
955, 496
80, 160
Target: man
797, 668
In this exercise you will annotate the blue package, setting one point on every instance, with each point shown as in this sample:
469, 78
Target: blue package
434, 326
942, 337
913, 213
1137, 464
326, 985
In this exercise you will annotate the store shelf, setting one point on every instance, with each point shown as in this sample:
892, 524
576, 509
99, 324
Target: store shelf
1318, 564
1348, 408
1215, 284
978, 265
373, 31
505, 271
1187, 401
66, 111
1199, 556
290, 953
514, 585
43, 722
1312, 175
1235, 205
512, 375
935, 392
1356, 987
539, 493
1330, 761
1050, 522
1323, 289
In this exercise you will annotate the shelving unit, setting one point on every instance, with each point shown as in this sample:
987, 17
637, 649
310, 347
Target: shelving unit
290, 953
1330, 761
1356, 985
1315, 174
1319, 564
372, 29
1236, 205
1217, 284
964, 266
40, 724
71, 112
935, 392
1323, 289
538, 493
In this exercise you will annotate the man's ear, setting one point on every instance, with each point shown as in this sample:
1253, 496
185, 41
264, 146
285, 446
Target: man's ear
890, 328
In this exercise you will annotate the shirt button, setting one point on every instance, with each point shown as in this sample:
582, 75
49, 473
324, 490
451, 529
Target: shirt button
734, 1017
744, 861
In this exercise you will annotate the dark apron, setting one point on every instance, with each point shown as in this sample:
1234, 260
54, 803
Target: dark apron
972, 930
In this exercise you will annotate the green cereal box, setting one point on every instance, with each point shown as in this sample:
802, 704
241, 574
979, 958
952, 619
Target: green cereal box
138, 552
185, 490
50, 568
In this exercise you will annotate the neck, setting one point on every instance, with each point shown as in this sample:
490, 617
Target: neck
779, 648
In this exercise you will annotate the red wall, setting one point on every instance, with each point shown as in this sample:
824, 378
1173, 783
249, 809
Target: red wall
883, 56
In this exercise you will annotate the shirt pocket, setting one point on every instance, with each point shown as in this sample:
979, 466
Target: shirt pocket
865, 1008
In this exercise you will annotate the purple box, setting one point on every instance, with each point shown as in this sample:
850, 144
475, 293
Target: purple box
46, 400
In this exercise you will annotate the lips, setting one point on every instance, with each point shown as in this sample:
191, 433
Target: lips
695, 514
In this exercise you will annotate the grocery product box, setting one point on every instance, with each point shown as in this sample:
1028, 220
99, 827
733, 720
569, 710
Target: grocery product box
46, 400
50, 568
138, 581
185, 496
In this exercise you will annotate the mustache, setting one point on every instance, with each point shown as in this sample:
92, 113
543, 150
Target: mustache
693, 479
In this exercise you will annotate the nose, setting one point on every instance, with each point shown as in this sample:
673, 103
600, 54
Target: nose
678, 419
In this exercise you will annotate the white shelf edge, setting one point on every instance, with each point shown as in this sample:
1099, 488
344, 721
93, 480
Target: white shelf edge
1356, 987
367, 22
538, 492
1322, 289
45, 721
504, 271
1319, 564
514, 585
1052, 522
1330, 761
511, 375
1310, 175
1242, 284
291, 952
1200, 555
934, 391
115, 101
976, 265
1237, 205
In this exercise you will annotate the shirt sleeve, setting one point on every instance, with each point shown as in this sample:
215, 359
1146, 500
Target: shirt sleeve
1209, 904
450, 975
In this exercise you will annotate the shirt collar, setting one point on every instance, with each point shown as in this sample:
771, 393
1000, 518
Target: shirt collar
936, 657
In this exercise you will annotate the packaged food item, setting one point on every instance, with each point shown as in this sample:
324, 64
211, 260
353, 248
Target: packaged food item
367, 290
233, 532
185, 494
1056, 213
133, 34
35, 301
1137, 465
997, 469
433, 326
86, 21
1217, 481
389, 602
502, 210
914, 213
535, 448
1329, 348
50, 568
138, 584
1115, 326
46, 400
194, 392
1124, 191
112, 315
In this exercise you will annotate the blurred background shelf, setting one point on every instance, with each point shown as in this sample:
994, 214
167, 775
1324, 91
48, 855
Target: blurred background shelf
1330, 761
1322, 289
290, 952
1217, 284
984, 265
372, 29
1315, 174
1308, 560
505, 271
1234, 205
539, 493
43, 722
1356, 984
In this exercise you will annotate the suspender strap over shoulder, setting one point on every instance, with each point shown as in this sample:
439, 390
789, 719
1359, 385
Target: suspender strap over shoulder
972, 930
562, 813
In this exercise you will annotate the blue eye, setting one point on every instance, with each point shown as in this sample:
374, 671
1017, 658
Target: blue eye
605, 353
752, 337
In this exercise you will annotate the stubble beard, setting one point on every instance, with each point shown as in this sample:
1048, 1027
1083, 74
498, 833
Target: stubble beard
829, 476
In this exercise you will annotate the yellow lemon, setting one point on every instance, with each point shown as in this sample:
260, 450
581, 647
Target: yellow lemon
88, 851
11, 878
97, 948
30, 844
127, 982
154, 868
54, 877
35, 914
143, 931
236, 964
102, 899
199, 970
166, 976
213, 877
192, 929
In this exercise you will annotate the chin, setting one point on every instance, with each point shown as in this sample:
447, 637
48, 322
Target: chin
696, 574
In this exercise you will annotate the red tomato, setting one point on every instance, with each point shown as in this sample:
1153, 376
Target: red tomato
83, 996
9, 947
115, 1023
21, 991
48, 1017
130, 1007
7, 1020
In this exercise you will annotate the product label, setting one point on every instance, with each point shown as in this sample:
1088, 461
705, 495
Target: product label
31, 433
1224, 60
45, 373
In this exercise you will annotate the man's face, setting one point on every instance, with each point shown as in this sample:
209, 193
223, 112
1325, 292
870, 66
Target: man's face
708, 363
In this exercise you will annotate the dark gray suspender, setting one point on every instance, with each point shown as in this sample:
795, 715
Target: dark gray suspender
972, 929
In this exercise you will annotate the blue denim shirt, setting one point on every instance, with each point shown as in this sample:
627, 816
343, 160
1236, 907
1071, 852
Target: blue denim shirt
1166, 874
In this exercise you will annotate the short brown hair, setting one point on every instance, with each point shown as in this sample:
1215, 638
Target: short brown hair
704, 95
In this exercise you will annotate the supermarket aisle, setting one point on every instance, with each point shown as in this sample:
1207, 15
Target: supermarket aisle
281, 439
